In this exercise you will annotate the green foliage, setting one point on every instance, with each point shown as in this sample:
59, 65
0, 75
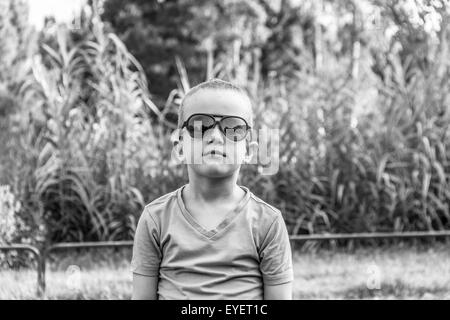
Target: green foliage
15, 38
87, 124
12, 227
384, 169
202, 33
363, 116
10, 223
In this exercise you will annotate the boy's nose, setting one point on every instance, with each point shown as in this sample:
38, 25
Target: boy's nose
214, 134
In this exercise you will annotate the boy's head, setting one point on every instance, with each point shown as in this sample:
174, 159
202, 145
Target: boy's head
215, 120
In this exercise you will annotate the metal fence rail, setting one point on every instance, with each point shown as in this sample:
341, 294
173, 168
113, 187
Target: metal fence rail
369, 235
80, 245
42, 254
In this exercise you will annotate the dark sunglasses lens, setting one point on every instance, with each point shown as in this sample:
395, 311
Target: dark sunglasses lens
199, 123
235, 128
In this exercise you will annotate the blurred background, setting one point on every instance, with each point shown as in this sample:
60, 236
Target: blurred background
89, 92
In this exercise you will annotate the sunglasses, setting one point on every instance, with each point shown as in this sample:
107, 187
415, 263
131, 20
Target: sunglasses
232, 127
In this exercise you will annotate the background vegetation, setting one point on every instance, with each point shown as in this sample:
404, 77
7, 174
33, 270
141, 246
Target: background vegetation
359, 90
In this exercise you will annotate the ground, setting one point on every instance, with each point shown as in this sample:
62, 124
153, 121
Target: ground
399, 272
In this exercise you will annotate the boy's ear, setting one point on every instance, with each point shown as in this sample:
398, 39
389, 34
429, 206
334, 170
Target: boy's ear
177, 151
252, 150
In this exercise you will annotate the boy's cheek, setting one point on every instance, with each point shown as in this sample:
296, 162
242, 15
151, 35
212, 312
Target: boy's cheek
236, 154
193, 151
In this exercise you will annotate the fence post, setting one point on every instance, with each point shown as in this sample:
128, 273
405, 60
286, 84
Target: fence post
42, 242
41, 273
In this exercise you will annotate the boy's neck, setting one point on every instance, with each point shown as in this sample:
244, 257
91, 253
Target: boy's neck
210, 190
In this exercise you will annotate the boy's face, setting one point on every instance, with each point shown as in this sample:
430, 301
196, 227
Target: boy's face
214, 155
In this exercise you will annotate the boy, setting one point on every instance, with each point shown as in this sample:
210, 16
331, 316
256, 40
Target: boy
212, 239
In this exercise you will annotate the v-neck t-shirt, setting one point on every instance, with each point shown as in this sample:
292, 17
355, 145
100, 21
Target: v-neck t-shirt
247, 249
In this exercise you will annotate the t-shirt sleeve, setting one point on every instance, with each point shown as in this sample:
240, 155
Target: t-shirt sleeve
275, 254
146, 247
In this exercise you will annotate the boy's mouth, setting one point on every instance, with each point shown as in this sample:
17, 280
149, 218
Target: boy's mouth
214, 153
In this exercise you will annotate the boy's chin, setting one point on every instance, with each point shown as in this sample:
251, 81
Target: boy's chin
216, 171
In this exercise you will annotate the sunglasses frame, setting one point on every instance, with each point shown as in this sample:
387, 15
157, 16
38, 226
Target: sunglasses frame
217, 122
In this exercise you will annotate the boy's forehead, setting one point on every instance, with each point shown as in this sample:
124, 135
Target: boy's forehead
218, 101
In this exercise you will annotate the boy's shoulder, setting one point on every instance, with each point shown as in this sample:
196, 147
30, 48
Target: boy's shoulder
260, 202
162, 199
265, 210
264, 217
159, 205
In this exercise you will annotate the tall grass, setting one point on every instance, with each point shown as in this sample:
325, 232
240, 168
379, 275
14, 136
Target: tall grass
91, 140
356, 154
353, 165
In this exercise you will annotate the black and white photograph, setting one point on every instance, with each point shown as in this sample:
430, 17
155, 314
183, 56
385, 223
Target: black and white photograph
240, 150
